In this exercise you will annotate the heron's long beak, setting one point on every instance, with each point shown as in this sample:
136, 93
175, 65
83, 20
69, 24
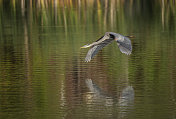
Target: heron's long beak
85, 46
82, 47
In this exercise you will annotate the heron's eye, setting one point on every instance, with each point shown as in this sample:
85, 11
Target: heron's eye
112, 36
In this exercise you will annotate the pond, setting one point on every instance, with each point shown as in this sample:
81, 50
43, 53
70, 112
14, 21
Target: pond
43, 74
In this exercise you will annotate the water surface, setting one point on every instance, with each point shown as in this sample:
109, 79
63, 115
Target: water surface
42, 70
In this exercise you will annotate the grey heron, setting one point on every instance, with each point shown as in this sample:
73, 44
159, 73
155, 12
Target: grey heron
123, 42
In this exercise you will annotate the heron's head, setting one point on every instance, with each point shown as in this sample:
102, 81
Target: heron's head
107, 35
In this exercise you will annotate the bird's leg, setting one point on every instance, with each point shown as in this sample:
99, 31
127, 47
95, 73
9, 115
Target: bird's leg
130, 36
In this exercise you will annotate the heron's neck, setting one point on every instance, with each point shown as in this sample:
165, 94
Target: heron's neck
90, 45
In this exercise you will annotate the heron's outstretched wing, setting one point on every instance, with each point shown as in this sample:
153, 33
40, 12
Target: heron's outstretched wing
124, 45
94, 50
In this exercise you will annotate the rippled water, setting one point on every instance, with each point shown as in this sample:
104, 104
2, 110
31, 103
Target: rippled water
42, 68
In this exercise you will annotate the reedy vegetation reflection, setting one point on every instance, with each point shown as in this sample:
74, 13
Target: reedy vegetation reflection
152, 51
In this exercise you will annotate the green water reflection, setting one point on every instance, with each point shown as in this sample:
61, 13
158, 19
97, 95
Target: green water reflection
42, 68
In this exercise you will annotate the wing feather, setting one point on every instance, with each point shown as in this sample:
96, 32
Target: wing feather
125, 45
94, 50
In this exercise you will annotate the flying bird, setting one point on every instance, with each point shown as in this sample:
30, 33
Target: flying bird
123, 43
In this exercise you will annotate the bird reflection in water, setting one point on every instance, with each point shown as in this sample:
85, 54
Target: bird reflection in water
96, 94
123, 103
